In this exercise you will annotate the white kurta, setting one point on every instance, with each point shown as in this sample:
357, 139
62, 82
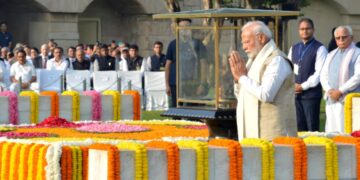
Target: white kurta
340, 81
249, 91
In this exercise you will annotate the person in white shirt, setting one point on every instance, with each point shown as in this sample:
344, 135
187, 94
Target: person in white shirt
58, 62
24, 70
71, 54
264, 87
121, 64
340, 76
308, 57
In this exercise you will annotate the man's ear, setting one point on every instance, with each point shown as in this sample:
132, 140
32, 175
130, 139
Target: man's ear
263, 38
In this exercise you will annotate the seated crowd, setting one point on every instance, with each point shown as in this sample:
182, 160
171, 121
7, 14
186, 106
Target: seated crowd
19, 65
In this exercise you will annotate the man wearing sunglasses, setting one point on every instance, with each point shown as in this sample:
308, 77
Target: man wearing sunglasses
340, 76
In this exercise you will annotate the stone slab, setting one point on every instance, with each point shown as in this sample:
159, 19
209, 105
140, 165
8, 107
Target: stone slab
316, 162
127, 107
98, 166
187, 164
252, 162
218, 163
4, 105
24, 107
356, 113
284, 162
44, 107
347, 161
127, 164
85, 107
157, 164
65, 107
107, 107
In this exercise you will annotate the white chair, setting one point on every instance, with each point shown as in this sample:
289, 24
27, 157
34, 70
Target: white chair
105, 80
49, 80
155, 91
75, 80
134, 78
6, 78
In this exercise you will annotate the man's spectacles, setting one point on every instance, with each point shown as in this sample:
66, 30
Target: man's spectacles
341, 37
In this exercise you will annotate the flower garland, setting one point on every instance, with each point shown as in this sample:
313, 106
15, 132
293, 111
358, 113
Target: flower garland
76, 162
136, 104
348, 111
54, 101
33, 160
13, 106
331, 155
164, 122
141, 163
66, 163
354, 141
41, 162
75, 104
111, 128
235, 156
25, 134
56, 122
34, 105
300, 155
116, 102
6, 129
1, 153
267, 152
96, 104
14, 159
172, 151
24, 158
202, 162
85, 160
195, 126
113, 159
5, 160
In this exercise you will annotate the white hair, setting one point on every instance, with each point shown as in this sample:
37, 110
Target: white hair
258, 27
346, 27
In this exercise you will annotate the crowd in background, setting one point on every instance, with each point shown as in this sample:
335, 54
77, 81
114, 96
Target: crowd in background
22, 59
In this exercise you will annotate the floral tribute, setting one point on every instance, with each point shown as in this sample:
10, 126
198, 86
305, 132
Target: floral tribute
195, 126
111, 128
75, 109
348, 116
173, 158
34, 104
13, 106
14, 135
6, 129
54, 101
331, 155
267, 153
96, 104
137, 106
116, 102
235, 155
54, 121
356, 133
300, 155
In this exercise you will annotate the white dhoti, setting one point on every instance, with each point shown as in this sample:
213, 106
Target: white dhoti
334, 117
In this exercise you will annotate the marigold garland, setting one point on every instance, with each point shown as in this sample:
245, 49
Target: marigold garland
141, 163
95, 104
66, 163
14, 159
34, 105
75, 104
331, 155
202, 162
24, 158
235, 156
267, 153
1, 153
172, 151
116, 102
113, 159
85, 160
54, 101
300, 155
5, 160
33, 160
354, 141
6, 129
76, 163
136, 104
13, 106
41, 163
348, 112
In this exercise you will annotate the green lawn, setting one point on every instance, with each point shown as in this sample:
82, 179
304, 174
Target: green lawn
151, 115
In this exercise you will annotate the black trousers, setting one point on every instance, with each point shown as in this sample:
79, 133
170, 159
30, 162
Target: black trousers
173, 96
308, 114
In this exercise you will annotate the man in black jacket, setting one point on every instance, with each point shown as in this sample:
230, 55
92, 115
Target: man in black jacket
104, 62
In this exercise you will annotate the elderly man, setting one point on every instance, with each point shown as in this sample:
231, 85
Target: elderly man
80, 62
264, 86
22, 69
340, 76
308, 57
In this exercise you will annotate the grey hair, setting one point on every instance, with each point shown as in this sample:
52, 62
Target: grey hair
5, 49
43, 45
258, 27
348, 29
